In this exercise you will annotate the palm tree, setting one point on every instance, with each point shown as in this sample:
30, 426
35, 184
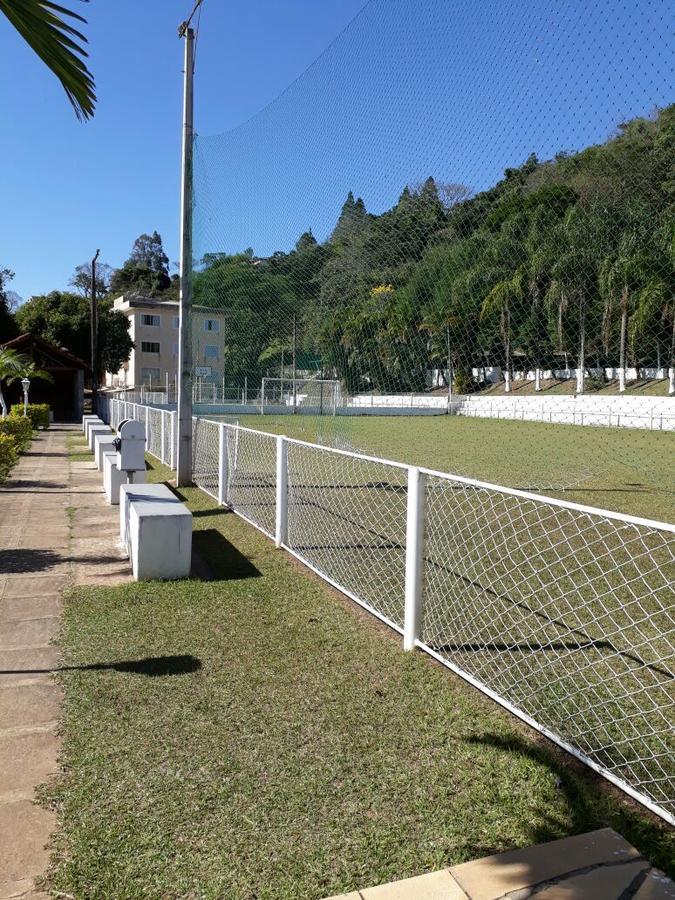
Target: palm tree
44, 26
619, 276
655, 301
12, 364
500, 302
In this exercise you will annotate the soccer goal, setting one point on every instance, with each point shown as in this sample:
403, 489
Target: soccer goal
316, 396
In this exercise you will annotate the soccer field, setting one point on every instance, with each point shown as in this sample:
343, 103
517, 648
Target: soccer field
621, 469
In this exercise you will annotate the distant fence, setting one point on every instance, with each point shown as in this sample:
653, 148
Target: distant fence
562, 613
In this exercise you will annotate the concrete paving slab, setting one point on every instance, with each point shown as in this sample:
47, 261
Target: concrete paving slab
494, 876
605, 881
656, 886
432, 886
33, 702
35, 585
28, 633
23, 660
12, 608
27, 757
24, 832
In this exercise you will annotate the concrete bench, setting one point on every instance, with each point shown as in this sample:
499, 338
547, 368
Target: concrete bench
113, 479
160, 539
131, 493
96, 429
86, 419
102, 443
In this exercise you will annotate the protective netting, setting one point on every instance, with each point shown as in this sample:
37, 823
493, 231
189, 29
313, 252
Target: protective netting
454, 204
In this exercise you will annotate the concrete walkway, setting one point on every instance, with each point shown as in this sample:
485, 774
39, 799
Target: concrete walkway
55, 529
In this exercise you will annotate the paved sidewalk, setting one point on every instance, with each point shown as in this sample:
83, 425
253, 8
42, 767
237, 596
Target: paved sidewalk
599, 865
55, 529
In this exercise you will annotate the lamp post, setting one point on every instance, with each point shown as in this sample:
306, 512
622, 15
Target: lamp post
25, 384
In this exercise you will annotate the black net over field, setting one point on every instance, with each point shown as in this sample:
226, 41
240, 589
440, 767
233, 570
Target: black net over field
458, 206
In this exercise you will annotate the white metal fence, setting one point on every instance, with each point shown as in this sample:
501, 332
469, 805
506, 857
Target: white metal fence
563, 614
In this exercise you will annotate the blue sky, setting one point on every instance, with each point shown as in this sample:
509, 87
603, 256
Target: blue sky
455, 88
68, 188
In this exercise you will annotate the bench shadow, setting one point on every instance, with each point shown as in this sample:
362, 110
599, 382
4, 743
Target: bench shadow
216, 559
151, 666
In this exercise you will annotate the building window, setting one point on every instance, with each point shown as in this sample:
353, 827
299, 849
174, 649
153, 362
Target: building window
210, 351
175, 321
211, 325
175, 349
150, 346
150, 320
150, 376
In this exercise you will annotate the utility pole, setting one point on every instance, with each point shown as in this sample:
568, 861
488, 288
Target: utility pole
93, 315
184, 443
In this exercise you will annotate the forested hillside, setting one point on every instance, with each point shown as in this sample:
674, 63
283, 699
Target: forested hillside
569, 260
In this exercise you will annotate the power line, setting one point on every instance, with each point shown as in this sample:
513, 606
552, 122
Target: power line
183, 27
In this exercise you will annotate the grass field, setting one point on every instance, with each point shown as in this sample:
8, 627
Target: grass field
626, 470
256, 735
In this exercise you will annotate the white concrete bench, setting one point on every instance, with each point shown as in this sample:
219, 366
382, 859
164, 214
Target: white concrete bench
89, 424
130, 493
160, 536
86, 419
156, 529
102, 442
96, 429
113, 479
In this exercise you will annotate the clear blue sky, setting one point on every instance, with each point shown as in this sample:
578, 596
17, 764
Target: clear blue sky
454, 88
68, 188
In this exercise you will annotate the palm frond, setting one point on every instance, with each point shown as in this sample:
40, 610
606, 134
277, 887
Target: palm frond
44, 26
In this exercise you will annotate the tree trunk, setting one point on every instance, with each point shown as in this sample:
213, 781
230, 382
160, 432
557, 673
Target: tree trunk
3, 405
671, 369
581, 362
537, 377
622, 340
507, 349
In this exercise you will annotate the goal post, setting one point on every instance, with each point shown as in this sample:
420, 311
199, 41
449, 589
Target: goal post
309, 396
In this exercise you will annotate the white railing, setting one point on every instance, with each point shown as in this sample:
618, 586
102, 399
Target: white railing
562, 613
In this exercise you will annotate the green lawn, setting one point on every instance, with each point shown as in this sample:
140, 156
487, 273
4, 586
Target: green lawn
627, 470
256, 735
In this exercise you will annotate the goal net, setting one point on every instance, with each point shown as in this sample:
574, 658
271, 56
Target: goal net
317, 396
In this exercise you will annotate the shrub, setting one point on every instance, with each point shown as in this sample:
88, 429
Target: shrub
463, 382
18, 428
37, 412
8, 454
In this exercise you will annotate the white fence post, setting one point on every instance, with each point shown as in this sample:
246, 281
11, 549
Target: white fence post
414, 548
172, 452
282, 491
162, 434
222, 464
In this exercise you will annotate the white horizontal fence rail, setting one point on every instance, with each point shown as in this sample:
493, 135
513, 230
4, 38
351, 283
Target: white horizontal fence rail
562, 613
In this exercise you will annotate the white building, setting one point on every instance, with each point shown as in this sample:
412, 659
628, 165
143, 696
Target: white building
153, 327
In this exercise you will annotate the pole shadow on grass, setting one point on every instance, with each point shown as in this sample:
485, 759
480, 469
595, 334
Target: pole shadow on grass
151, 666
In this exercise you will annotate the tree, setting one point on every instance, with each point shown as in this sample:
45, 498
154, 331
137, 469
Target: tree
11, 363
8, 328
146, 271
44, 26
81, 279
500, 302
64, 319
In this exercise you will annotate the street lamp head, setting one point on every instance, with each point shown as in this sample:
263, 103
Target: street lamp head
26, 383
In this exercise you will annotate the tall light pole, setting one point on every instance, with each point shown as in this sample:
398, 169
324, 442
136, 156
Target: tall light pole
94, 334
184, 448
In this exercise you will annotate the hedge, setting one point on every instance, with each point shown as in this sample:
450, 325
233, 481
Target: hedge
18, 428
37, 412
8, 455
